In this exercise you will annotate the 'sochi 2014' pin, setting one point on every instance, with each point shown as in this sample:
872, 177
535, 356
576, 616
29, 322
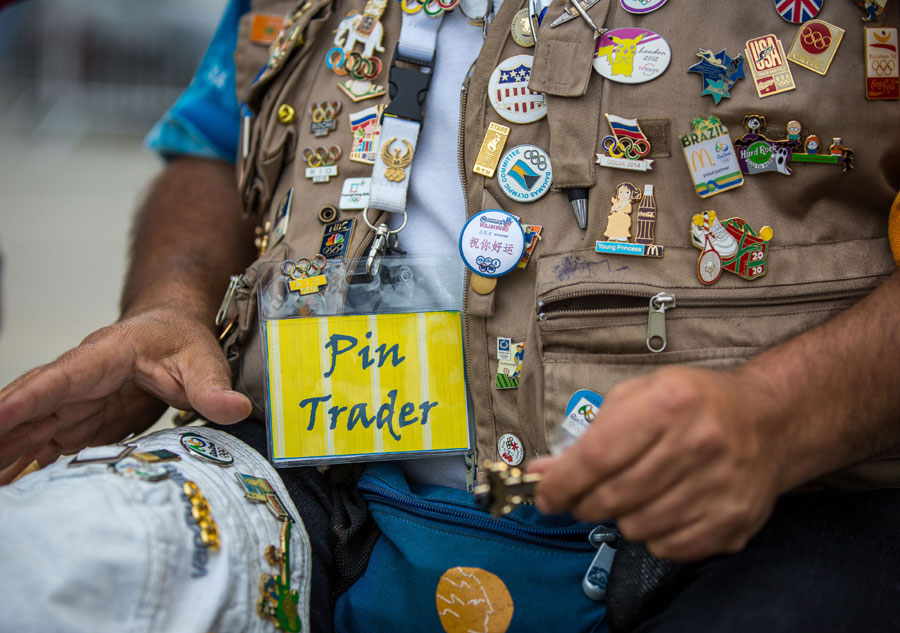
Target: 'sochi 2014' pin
711, 158
619, 225
626, 147
730, 245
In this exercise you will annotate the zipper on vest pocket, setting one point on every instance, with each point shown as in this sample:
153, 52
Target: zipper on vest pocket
624, 303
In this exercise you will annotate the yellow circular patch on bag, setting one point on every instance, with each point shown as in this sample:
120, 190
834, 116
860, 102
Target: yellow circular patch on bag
894, 229
472, 599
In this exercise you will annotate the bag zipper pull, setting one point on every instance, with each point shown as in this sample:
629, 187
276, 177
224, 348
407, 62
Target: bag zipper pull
471, 469
656, 320
235, 282
597, 577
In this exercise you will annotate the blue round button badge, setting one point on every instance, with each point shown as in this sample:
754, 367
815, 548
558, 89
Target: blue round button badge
491, 243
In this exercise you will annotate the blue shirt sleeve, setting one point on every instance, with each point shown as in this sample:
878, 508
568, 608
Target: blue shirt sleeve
205, 120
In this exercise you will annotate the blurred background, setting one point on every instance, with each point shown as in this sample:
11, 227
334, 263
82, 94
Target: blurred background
81, 83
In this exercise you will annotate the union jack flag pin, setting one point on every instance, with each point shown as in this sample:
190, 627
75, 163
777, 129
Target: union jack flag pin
798, 11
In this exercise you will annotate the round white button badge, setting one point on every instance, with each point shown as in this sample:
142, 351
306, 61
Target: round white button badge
492, 243
641, 6
631, 56
510, 449
525, 173
509, 92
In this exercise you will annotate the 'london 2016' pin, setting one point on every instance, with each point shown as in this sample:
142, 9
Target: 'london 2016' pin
631, 56
492, 243
525, 173
509, 92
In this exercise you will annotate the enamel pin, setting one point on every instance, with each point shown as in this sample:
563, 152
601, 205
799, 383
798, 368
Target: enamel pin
101, 454
322, 115
532, 237
570, 12
768, 65
525, 173
508, 370
509, 92
626, 147
631, 56
282, 218
815, 45
719, 71
520, 29
837, 153
873, 9
365, 29
711, 158
137, 469
206, 450
320, 163
758, 154
730, 245
491, 148
265, 27
278, 601
365, 130
641, 6
305, 274
355, 194
798, 11
882, 63
336, 239
619, 224
396, 161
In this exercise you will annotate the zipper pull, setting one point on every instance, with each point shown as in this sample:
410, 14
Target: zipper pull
471, 469
597, 577
235, 282
656, 321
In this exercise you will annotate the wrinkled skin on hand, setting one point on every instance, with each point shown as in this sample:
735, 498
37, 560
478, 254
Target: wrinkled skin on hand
679, 457
117, 381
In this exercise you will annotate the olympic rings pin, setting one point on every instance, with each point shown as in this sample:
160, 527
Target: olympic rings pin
320, 163
431, 8
354, 64
305, 274
323, 117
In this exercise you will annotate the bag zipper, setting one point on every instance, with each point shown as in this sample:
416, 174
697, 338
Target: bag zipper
573, 539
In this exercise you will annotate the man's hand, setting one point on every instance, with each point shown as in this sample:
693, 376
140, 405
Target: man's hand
677, 458
111, 385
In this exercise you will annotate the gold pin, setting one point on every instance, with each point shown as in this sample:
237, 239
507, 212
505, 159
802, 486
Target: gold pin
286, 113
768, 65
396, 162
491, 150
483, 285
520, 29
815, 45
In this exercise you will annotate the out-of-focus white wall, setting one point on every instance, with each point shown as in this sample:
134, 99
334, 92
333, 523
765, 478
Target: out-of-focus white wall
80, 84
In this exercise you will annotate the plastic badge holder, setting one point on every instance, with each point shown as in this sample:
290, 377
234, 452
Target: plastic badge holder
368, 368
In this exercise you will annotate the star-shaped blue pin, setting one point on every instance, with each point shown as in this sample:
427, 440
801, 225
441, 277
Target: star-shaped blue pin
719, 71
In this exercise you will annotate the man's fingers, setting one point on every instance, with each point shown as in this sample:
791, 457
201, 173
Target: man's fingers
207, 384
9, 474
653, 475
26, 439
604, 449
86, 372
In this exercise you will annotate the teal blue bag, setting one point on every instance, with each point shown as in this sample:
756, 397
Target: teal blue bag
443, 564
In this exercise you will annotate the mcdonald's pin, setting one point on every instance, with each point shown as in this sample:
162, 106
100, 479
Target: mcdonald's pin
619, 225
711, 158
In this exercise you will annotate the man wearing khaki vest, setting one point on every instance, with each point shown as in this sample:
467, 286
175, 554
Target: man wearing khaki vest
768, 385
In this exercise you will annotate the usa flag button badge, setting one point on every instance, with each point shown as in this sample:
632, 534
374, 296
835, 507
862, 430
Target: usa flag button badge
509, 92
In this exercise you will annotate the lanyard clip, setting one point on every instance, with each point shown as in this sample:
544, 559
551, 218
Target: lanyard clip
408, 87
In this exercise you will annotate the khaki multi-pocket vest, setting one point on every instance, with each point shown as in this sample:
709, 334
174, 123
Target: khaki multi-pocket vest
584, 315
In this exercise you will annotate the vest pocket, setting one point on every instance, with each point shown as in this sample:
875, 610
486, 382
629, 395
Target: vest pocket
594, 334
